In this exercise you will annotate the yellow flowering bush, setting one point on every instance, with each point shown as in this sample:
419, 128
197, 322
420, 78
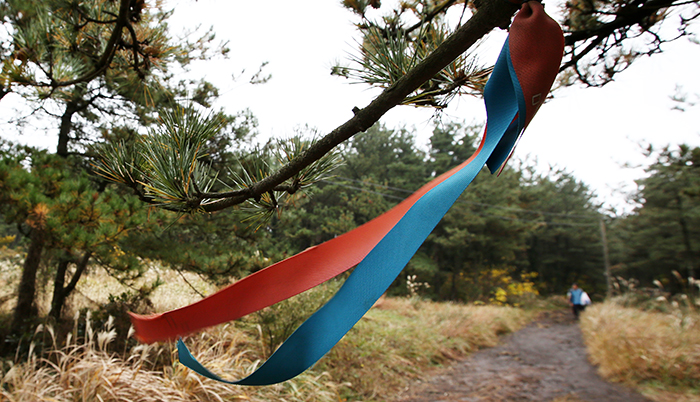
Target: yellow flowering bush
509, 291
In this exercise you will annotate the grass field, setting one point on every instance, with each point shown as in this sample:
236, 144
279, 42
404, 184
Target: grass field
658, 353
398, 341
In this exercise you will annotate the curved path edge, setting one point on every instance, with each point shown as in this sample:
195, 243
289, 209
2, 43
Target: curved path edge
544, 361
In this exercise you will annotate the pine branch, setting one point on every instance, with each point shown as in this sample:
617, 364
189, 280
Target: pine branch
626, 17
634, 14
111, 48
122, 21
490, 14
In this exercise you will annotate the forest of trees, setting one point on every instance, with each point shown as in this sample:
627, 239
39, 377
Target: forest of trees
106, 65
526, 226
499, 231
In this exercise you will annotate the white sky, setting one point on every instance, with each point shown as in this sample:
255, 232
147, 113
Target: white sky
590, 132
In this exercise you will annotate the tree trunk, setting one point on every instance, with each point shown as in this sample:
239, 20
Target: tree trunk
66, 127
24, 311
457, 264
58, 297
61, 292
686, 238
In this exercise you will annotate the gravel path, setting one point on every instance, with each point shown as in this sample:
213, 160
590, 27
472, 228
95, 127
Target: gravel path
544, 361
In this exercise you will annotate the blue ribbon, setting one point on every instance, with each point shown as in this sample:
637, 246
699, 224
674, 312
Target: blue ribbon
505, 109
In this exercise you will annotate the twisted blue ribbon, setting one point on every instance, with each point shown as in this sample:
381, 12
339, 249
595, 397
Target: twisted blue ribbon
371, 278
521, 79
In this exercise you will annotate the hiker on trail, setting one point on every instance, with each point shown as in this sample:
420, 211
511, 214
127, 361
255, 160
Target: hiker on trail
578, 299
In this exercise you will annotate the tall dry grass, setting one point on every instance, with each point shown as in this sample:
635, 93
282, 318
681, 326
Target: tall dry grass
394, 344
87, 371
637, 347
397, 342
86, 367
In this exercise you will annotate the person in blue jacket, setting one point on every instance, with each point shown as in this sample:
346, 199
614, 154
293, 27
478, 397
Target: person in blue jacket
576, 299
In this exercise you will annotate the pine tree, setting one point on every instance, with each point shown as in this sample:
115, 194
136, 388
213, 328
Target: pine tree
99, 74
661, 235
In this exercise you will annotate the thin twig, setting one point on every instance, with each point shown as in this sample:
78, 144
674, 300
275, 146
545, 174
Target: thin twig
432, 14
188, 283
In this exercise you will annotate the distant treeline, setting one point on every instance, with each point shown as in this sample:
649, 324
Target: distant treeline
524, 231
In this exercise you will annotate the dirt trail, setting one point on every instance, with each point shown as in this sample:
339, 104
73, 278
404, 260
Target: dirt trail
544, 361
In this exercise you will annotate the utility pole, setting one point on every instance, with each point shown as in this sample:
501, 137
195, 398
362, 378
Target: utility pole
606, 258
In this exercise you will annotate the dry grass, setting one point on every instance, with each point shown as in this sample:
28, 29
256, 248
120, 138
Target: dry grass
394, 344
400, 340
654, 351
86, 371
177, 290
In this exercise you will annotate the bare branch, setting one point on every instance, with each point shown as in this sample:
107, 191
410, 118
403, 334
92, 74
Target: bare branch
635, 13
135, 50
432, 14
88, 19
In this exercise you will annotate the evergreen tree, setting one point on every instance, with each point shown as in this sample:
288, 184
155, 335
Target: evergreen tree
68, 222
99, 74
380, 167
565, 246
661, 235
481, 234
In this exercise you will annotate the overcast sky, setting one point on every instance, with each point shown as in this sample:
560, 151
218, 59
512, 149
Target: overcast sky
590, 132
